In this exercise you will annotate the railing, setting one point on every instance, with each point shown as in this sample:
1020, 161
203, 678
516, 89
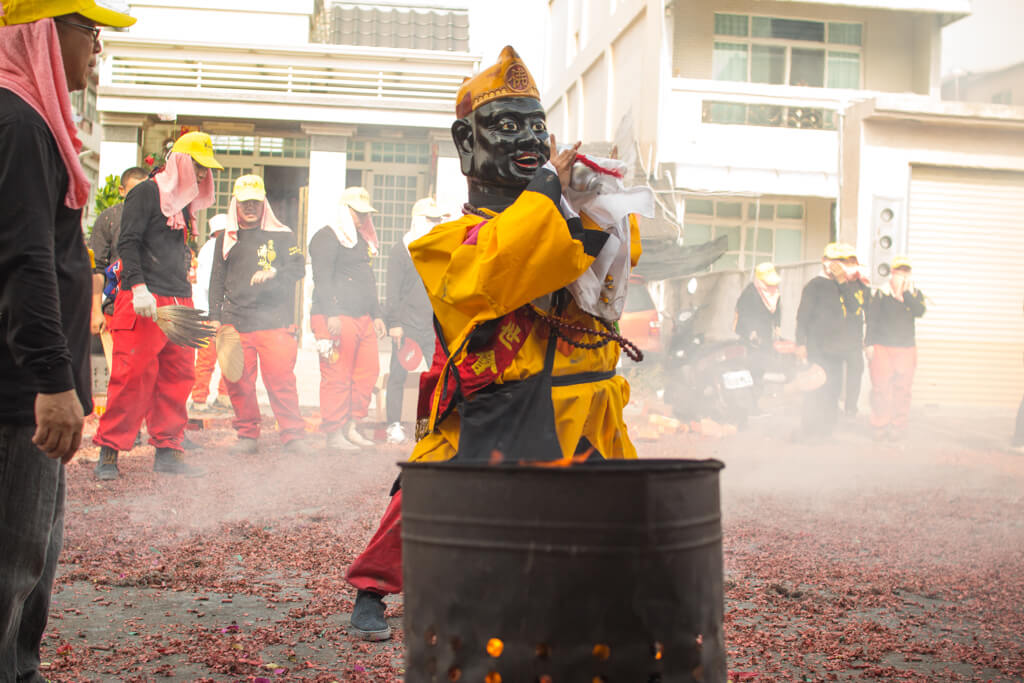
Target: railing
315, 71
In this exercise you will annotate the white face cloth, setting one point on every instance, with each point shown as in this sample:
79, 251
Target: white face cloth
601, 291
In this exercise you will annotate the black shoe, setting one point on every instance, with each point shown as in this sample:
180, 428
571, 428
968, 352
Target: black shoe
106, 466
172, 461
188, 444
368, 617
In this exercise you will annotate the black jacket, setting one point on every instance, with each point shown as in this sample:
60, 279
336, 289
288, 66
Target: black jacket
45, 275
408, 305
343, 282
268, 306
820, 318
753, 316
151, 252
892, 322
855, 295
103, 243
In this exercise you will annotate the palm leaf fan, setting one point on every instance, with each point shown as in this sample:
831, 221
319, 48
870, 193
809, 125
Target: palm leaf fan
184, 326
230, 356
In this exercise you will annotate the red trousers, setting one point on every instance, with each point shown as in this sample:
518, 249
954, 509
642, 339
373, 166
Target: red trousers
271, 354
892, 376
379, 567
150, 379
347, 383
206, 360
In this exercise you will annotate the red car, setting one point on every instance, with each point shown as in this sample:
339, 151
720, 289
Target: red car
640, 322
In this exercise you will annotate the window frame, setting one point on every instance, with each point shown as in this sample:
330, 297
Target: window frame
750, 228
827, 47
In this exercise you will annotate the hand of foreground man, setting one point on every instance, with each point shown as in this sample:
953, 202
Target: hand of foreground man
334, 326
563, 161
380, 328
261, 276
143, 302
59, 420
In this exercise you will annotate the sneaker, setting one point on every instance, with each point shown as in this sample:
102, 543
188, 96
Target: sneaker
367, 620
223, 402
336, 441
244, 446
396, 434
172, 461
353, 435
106, 466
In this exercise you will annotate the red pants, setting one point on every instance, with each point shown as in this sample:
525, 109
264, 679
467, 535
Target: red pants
379, 567
892, 376
150, 379
275, 352
347, 384
206, 360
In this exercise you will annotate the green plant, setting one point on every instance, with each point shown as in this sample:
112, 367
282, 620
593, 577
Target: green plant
107, 195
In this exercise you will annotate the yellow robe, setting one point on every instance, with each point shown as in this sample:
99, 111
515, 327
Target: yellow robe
521, 254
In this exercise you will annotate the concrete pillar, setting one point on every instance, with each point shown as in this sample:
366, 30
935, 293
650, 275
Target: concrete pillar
119, 146
451, 192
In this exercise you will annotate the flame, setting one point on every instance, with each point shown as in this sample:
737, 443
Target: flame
602, 652
493, 677
495, 647
566, 462
497, 457
658, 650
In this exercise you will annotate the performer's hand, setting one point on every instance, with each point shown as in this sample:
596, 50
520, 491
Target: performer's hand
396, 334
380, 328
261, 276
563, 161
334, 326
143, 302
96, 323
59, 420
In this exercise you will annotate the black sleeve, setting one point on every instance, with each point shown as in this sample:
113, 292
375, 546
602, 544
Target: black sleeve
323, 255
29, 299
871, 312
139, 205
394, 284
804, 313
915, 302
99, 241
293, 267
218, 274
743, 312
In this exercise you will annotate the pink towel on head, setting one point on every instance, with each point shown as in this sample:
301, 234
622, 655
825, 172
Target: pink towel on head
32, 68
269, 223
178, 189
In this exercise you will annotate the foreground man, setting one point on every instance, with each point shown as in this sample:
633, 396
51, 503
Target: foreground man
256, 264
509, 283
151, 377
46, 50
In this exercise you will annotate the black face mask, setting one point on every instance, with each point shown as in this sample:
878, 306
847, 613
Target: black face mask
503, 143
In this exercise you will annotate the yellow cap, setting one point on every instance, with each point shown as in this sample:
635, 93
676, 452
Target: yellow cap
766, 273
358, 199
428, 208
847, 250
198, 146
833, 251
26, 11
249, 188
508, 78
900, 262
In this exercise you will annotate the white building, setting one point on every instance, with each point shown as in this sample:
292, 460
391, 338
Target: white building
312, 95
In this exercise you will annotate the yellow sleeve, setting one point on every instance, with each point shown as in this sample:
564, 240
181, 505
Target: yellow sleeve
526, 251
635, 247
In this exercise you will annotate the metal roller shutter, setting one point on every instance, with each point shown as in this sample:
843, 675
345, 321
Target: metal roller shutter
967, 245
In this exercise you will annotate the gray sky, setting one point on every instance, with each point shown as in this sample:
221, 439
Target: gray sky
521, 24
988, 39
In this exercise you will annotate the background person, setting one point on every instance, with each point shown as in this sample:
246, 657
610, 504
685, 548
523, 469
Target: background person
820, 321
891, 347
47, 50
206, 357
407, 313
345, 318
256, 264
855, 292
758, 319
103, 243
151, 378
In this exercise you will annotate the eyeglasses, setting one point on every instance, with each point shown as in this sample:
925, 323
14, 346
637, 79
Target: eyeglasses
94, 30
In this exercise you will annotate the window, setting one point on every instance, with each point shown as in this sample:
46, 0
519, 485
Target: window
393, 197
787, 51
400, 152
1003, 97
756, 231
740, 113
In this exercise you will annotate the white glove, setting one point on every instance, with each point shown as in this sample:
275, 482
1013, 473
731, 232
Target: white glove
324, 347
143, 302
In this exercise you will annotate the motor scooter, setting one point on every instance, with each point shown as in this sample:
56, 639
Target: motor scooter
706, 379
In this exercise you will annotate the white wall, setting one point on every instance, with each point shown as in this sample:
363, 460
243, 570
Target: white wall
261, 22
